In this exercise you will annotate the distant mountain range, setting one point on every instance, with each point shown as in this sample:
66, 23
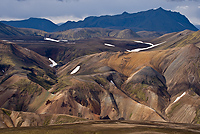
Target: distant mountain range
72, 34
35, 23
158, 20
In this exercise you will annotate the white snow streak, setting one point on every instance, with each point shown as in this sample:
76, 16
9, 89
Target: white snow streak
178, 98
140, 49
101, 85
53, 63
110, 45
49, 39
137, 41
54, 40
112, 82
64, 40
27, 49
75, 70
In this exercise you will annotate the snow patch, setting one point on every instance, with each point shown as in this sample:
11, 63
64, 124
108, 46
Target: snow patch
3, 71
148, 43
112, 83
4, 40
64, 40
101, 85
140, 49
53, 63
27, 49
109, 45
49, 39
178, 98
76, 70
137, 41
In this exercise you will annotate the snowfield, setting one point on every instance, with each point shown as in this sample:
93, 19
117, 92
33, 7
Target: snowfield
53, 63
76, 70
109, 45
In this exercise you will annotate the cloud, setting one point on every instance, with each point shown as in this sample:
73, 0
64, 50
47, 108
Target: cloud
183, 7
67, 0
183, 0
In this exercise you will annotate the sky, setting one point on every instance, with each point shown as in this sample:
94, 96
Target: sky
60, 11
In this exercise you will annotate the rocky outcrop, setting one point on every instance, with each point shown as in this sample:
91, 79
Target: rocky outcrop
27, 119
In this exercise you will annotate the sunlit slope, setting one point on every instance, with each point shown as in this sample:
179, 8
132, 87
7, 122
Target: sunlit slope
122, 79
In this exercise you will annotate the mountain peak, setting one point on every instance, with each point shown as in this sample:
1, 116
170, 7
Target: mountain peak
161, 9
35, 23
125, 13
159, 20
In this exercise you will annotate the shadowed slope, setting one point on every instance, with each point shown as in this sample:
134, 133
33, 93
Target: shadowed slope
6, 30
24, 77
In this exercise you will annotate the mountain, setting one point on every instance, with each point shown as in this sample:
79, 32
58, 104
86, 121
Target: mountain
132, 86
112, 85
158, 20
35, 23
72, 34
27, 74
88, 33
178, 39
6, 30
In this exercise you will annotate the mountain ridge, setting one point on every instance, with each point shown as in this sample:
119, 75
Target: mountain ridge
149, 20
35, 23
158, 20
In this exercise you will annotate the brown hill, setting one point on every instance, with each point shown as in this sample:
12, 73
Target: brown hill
154, 80
27, 119
24, 78
171, 39
87, 33
142, 86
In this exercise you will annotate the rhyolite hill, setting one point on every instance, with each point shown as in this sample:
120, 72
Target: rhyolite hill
112, 85
158, 20
160, 84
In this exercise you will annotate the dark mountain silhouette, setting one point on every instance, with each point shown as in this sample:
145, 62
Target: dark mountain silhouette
159, 20
35, 23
